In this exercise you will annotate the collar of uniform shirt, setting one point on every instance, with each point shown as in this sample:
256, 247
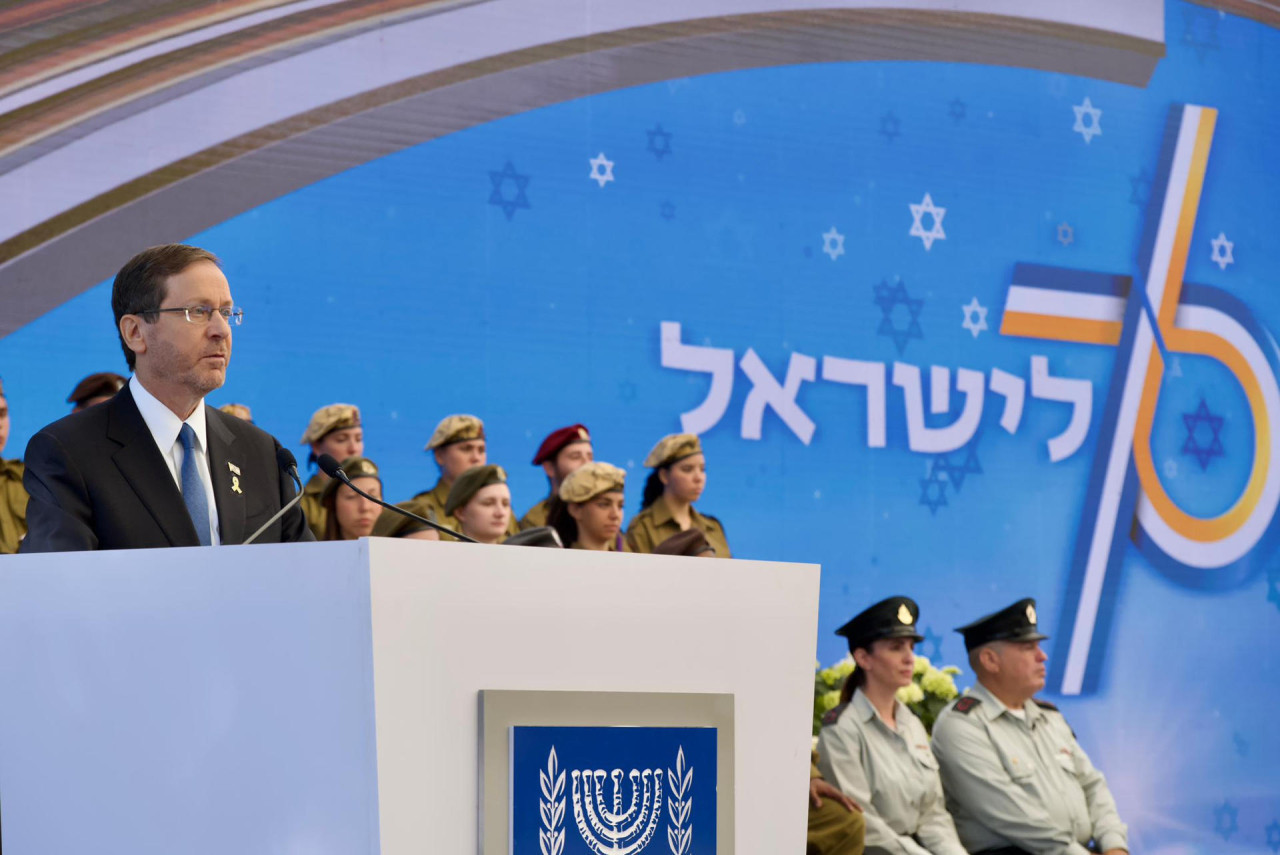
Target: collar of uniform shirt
866, 711
992, 708
165, 425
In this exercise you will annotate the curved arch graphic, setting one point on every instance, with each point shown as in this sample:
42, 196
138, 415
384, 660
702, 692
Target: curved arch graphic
246, 88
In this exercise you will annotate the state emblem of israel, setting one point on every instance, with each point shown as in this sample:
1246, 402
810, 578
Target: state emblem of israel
613, 790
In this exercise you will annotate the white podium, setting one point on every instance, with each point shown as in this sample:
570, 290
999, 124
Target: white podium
323, 698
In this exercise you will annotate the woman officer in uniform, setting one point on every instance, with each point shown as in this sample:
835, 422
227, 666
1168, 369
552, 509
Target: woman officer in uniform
678, 478
876, 751
347, 514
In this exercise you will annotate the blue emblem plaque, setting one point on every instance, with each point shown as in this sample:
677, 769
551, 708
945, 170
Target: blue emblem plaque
613, 790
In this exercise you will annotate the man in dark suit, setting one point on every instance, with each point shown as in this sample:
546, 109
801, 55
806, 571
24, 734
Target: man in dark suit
154, 466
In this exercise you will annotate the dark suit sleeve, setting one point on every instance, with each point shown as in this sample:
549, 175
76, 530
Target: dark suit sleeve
59, 517
293, 525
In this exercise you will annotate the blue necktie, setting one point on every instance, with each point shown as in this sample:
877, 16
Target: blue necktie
192, 487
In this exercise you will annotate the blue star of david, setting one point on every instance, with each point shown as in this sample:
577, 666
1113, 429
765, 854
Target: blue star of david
1195, 446
659, 142
510, 205
933, 643
1201, 44
1242, 746
1224, 820
1139, 188
958, 110
890, 127
667, 211
1273, 836
933, 492
956, 472
888, 298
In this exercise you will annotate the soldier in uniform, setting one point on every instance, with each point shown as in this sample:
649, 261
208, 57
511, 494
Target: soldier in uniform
94, 389
458, 444
240, 411
347, 514
875, 750
334, 430
678, 478
587, 512
563, 451
481, 503
836, 825
1015, 777
13, 497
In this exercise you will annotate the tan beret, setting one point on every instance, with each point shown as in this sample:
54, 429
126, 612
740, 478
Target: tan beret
355, 467
673, 447
453, 429
590, 480
471, 482
240, 411
328, 419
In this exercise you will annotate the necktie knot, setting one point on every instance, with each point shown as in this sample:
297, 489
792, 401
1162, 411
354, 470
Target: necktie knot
188, 437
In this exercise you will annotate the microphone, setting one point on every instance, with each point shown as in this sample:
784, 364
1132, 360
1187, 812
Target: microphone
286, 461
331, 467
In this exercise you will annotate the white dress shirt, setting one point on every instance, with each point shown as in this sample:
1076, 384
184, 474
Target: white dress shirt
165, 427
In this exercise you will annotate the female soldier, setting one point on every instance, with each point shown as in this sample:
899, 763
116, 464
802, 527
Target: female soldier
587, 510
347, 514
875, 750
678, 478
334, 430
481, 502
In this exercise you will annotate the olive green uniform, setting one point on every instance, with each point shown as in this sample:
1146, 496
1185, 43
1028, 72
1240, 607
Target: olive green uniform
310, 503
892, 774
13, 506
618, 545
430, 505
655, 524
1022, 782
833, 828
537, 515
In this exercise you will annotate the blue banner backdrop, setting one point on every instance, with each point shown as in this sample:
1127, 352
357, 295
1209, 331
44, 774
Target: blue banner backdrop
788, 260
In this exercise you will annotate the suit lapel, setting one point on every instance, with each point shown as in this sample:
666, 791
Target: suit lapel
139, 461
228, 480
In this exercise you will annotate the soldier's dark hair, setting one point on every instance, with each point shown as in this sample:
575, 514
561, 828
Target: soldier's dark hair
141, 285
653, 487
559, 518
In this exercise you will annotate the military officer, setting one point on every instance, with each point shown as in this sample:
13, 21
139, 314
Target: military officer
94, 389
563, 451
678, 478
836, 823
875, 750
1015, 777
13, 497
587, 512
481, 503
458, 444
335, 430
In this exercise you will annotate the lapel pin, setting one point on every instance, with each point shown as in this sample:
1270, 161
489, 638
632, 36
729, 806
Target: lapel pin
235, 485
235, 470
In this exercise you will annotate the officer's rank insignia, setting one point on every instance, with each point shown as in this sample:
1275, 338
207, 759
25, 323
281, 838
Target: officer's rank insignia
967, 703
904, 614
1031, 614
830, 716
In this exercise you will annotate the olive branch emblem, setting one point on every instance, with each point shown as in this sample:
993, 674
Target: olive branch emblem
679, 781
551, 836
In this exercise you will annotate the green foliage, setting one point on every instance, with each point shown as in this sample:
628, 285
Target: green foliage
930, 690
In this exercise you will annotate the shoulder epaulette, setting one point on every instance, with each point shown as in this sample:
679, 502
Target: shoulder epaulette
1045, 705
831, 715
966, 704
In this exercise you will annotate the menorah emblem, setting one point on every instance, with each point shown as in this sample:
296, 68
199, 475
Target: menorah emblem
617, 832
605, 828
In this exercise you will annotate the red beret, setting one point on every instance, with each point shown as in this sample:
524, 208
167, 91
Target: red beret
558, 439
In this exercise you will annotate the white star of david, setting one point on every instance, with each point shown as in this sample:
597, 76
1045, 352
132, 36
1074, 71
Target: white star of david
970, 311
917, 230
597, 163
1223, 251
1091, 130
833, 243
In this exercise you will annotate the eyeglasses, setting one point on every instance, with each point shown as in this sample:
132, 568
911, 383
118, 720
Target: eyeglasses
233, 315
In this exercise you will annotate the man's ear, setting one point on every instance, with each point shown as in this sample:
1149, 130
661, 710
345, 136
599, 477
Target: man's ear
990, 659
131, 332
